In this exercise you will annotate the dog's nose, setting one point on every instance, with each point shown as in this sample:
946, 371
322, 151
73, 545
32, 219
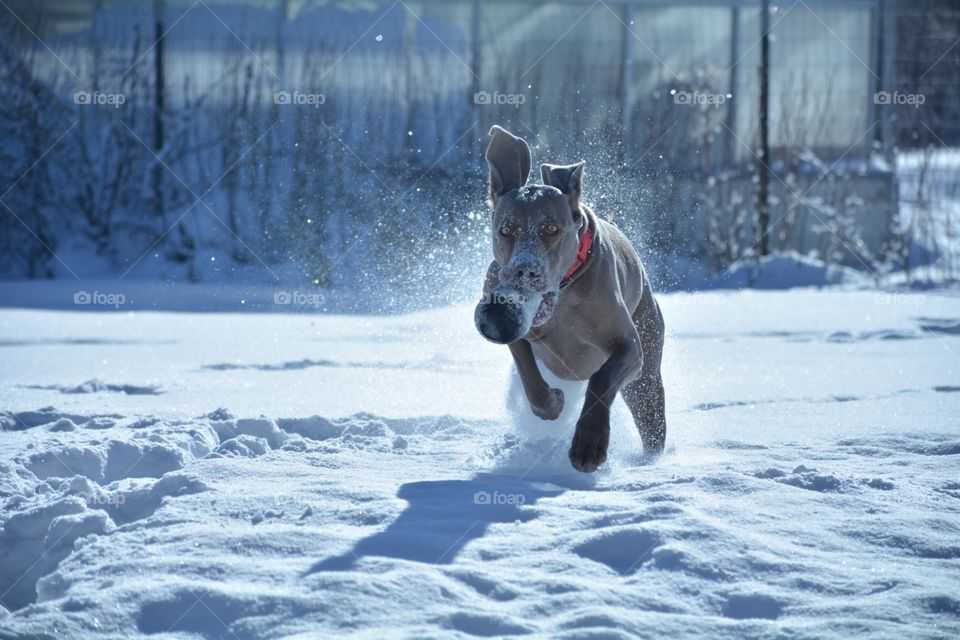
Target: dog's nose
526, 273
525, 276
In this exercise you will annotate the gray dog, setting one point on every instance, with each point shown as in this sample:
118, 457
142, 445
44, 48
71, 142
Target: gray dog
567, 288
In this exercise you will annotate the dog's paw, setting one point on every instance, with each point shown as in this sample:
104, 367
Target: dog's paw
552, 408
590, 441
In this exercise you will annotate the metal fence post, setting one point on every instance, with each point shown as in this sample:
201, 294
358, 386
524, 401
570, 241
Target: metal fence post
763, 187
734, 69
888, 27
626, 80
876, 82
476, 62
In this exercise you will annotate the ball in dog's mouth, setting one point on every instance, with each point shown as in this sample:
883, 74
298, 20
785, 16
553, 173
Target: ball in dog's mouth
507, 314
500, 322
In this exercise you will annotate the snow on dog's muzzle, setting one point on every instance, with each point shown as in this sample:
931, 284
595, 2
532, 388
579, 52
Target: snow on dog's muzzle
506, 314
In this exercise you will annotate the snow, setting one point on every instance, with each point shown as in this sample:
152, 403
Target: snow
785, 271
319, 475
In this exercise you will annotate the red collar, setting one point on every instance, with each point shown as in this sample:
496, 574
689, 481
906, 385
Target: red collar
586, 241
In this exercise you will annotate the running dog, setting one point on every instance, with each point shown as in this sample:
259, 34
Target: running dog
567, 289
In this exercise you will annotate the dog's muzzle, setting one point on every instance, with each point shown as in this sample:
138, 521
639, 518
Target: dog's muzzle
524, 272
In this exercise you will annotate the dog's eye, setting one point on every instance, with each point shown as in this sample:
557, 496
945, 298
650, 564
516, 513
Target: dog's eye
551, 229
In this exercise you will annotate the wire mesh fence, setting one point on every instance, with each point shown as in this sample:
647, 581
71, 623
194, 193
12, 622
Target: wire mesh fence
338, 137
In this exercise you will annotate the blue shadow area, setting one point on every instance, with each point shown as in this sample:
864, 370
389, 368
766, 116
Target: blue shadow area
443, 516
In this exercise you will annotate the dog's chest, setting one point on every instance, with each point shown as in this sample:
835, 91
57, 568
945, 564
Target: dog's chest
567, 352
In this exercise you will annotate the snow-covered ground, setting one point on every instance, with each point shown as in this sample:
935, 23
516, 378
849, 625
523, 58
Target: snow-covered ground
244, 475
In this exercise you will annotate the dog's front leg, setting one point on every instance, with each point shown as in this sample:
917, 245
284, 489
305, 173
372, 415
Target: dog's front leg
592, 436
546, 403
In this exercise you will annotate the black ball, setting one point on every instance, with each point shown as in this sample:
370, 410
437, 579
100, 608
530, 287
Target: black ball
500, 322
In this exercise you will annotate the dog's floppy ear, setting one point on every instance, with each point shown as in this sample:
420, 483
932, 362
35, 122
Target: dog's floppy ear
509, 160
568, 178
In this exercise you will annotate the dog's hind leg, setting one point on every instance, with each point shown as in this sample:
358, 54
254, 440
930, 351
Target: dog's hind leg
644, 395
